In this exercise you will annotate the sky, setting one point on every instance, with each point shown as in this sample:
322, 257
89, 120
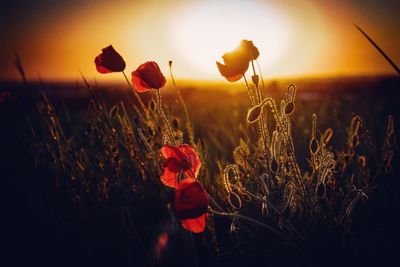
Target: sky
296, 38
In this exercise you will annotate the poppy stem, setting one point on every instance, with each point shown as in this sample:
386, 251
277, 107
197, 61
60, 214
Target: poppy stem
264, 128
259, 123
160, 110
185, 109
137, 97
261, 77
249, 91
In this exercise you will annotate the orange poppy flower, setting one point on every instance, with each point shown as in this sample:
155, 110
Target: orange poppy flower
249, 48
179, 159
109, 61
148, 76
237, 62
191, 203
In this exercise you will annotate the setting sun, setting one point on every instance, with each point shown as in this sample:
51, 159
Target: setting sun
202, 32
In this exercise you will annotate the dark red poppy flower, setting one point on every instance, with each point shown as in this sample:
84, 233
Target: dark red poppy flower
237, 62
109, 61
148, 76
179, 159
191, 203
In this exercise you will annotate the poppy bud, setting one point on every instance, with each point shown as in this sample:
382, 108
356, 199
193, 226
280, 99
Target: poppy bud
255, 79
326, 137
254, 114
289, 108
313, 146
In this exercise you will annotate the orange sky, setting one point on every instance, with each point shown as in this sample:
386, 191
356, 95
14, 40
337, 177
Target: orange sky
295, 38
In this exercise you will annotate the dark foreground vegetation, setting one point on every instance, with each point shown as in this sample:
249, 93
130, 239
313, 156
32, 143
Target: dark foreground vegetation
80, 177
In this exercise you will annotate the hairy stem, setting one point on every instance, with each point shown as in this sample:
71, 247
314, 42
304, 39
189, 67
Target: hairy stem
146, 112
160, 110
185, 109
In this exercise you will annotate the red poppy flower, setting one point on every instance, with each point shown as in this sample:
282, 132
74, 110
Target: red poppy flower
109, 61
178, 159
191, 202
237, 62
148, 76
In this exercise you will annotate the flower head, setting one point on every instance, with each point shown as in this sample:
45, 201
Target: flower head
190, 203
237, 62
179, 159
109, 61
148, 76
249, 48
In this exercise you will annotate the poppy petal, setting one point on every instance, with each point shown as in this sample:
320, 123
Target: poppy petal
229, 73
99, 64
191, 199
151, 73
139, 85
196, 225
193, 159
234, 78
249, 48
172, 152
171, 173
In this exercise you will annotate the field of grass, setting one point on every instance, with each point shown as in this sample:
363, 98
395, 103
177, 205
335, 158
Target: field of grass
80, 174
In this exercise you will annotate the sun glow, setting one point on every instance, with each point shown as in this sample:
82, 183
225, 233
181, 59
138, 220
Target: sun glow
295, 38
202, 32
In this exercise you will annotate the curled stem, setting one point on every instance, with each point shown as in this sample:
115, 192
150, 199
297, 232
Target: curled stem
289, 145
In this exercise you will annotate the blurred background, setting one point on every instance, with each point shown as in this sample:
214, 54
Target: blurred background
296, 38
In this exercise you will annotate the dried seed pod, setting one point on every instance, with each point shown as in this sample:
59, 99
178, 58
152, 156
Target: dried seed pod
254, 114
314, 146
276, 144
327, 136
291, 93
289, 108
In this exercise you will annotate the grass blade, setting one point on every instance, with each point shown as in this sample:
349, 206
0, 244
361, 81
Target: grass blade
394, 66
